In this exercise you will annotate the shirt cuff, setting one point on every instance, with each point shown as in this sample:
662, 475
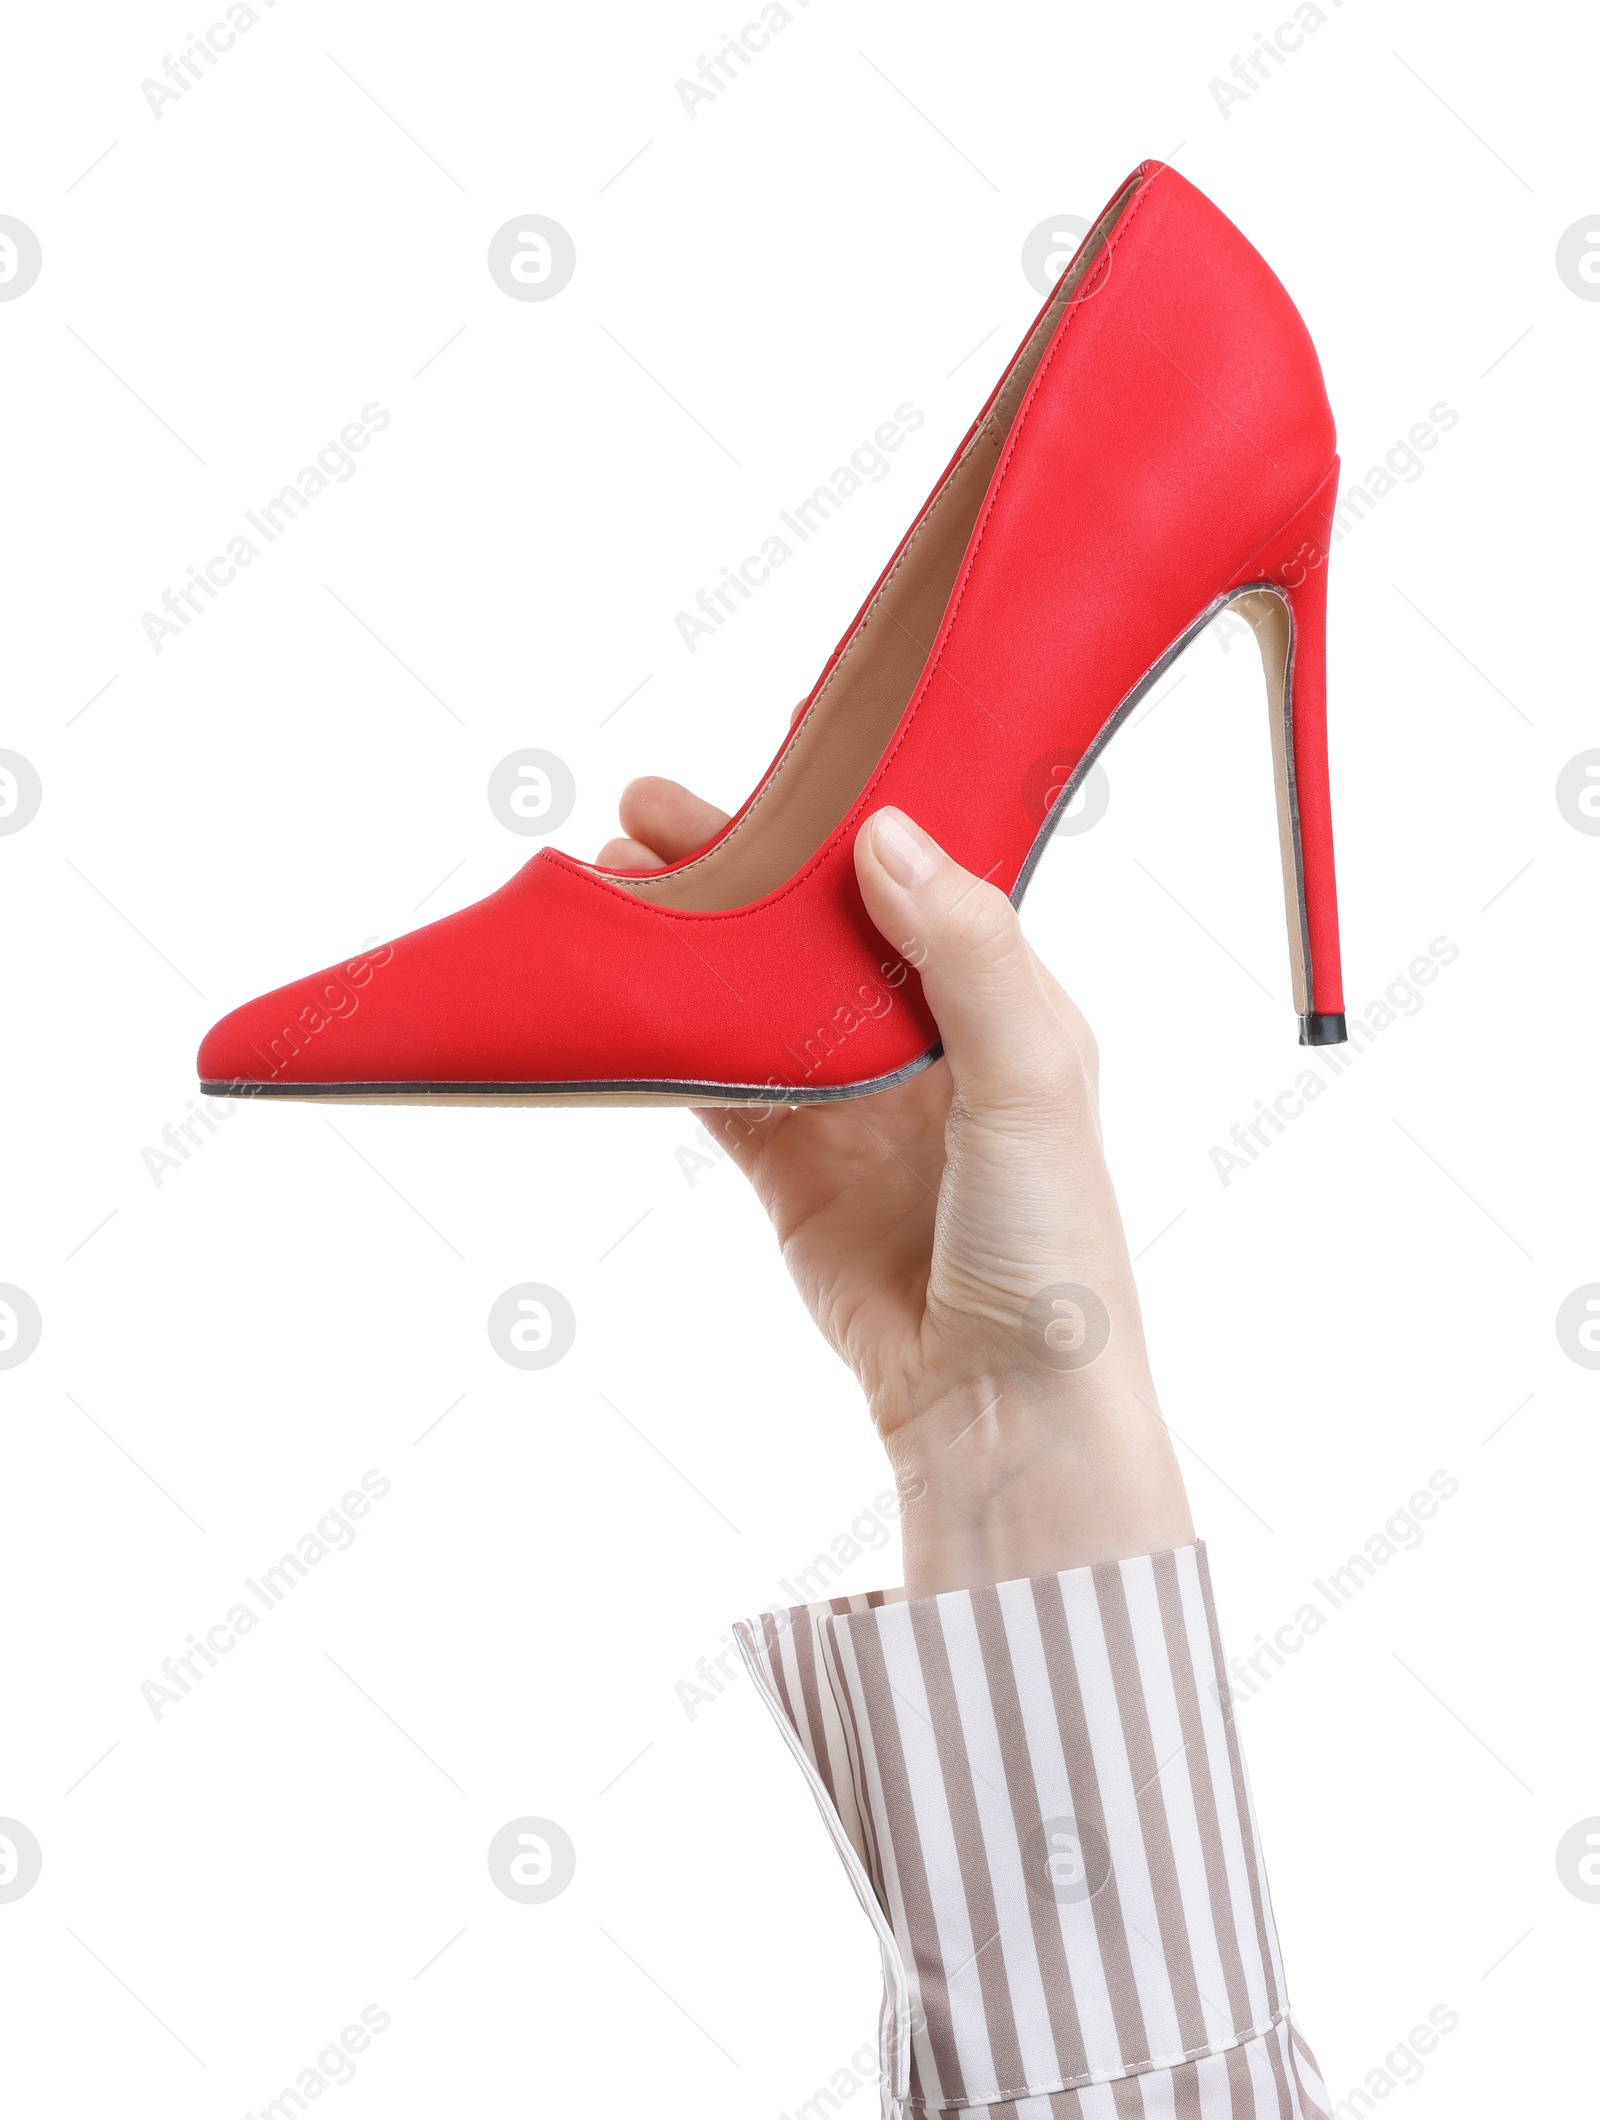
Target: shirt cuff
1037, 1790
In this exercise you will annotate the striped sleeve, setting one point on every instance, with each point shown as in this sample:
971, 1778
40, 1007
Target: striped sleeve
1038, 1792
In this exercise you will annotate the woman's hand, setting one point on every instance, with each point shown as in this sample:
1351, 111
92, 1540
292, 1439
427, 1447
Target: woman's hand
957, 1239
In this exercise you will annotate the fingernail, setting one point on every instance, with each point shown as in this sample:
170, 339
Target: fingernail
903, 849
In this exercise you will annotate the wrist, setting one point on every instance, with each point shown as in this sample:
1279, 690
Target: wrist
1005, 1477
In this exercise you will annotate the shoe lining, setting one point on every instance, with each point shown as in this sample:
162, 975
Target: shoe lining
850, 721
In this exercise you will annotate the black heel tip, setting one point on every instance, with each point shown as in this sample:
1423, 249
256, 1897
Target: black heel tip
1323, 1030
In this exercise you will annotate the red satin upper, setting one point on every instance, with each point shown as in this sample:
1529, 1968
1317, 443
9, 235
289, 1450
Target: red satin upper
1175, 432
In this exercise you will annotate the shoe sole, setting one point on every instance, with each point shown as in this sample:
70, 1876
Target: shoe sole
1314, 1030
570, 1093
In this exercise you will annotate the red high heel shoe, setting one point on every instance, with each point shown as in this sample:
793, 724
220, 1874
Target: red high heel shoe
1160, 447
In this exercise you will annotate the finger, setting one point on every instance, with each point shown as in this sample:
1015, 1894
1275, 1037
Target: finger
628, 854
661, 814
1007, 1047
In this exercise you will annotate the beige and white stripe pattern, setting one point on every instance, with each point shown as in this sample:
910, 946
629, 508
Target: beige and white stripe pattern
1037, 1790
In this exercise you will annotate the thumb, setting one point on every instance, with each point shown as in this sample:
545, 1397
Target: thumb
1005, 1043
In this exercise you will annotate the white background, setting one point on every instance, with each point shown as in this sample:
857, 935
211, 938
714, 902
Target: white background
305, 1296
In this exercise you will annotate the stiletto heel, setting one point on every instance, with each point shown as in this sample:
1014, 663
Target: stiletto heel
1286, 606
1159, 447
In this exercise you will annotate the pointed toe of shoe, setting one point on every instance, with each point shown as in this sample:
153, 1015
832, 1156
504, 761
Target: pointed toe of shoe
222, 1060
303, 1036
530, 992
